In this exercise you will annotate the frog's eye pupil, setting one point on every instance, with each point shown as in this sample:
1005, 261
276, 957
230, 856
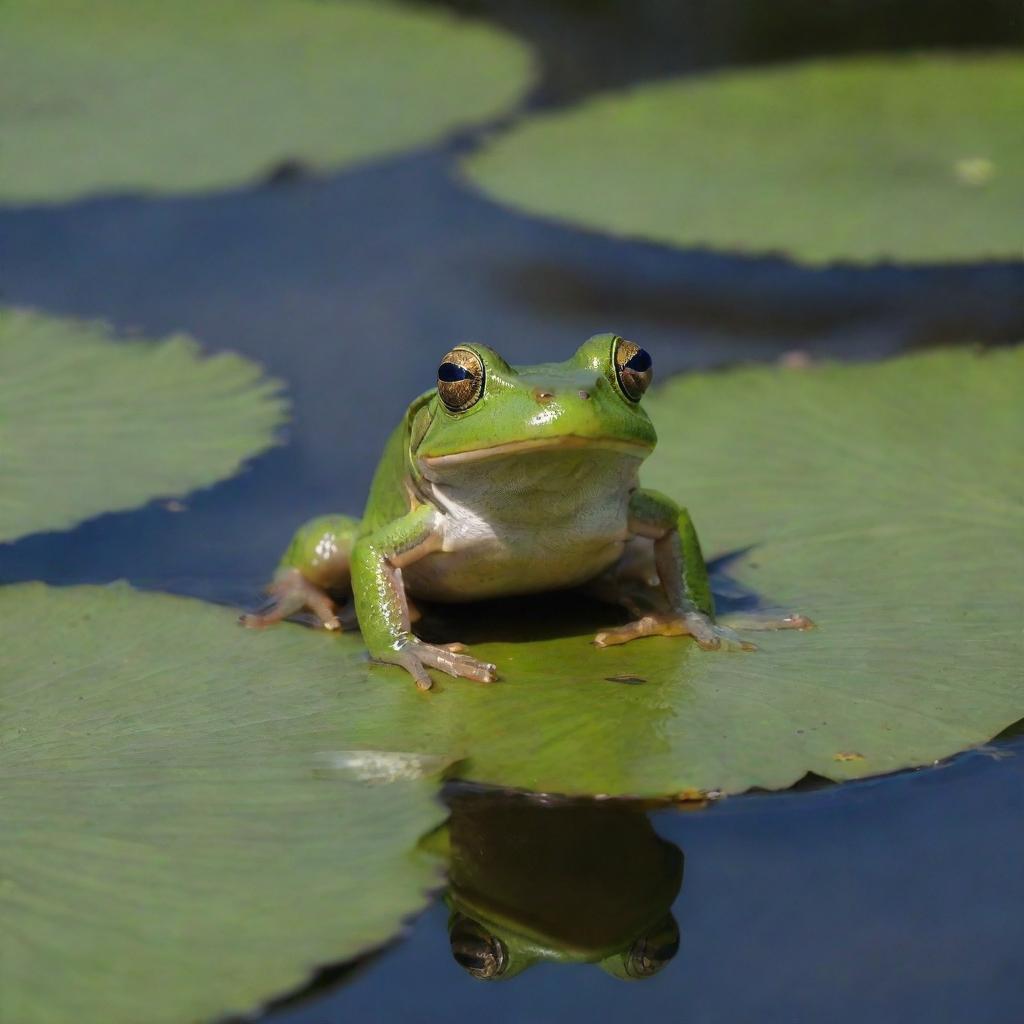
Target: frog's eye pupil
640, 362
452, 372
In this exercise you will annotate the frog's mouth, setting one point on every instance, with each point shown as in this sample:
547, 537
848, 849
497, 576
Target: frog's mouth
637, 449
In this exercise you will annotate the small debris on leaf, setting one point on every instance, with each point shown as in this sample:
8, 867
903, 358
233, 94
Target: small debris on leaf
795, 359
695, 799
974, 170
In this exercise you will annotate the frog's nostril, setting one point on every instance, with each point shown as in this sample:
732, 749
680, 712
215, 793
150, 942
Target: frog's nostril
543, 395
584, 395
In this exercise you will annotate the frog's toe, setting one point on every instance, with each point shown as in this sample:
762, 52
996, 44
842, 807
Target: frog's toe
275, 610
450, 659
647, 625
415, 668
291, 592
708, 635
466, 667
764, 622
417, 657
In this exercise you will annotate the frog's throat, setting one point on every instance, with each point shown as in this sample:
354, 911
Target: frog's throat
637, 449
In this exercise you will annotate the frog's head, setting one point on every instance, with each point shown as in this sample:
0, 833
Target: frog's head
484, 408
535, 880
492, 953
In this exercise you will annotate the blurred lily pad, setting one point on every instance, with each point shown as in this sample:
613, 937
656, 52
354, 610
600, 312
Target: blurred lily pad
916, 159
89, 424
885, 501
172, 849
113, 95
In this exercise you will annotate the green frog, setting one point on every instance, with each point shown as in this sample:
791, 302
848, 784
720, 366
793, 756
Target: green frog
507, 480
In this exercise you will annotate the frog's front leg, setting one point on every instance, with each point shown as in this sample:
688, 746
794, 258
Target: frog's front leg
382, 606
683, 577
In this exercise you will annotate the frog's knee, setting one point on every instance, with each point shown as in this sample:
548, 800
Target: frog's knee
321, 551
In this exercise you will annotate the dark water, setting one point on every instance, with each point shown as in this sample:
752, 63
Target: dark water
888, 901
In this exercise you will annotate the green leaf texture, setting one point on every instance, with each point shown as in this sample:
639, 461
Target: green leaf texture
89, 424
917, 159
184, 834
116, 95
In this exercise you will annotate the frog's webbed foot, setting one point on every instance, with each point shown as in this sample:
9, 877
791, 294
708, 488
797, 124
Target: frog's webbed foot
709, 635
291, 592
416, 657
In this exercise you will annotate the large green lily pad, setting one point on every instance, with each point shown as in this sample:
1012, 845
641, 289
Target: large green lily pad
89, 424
911, 158
885, 501
109, 95
184, 835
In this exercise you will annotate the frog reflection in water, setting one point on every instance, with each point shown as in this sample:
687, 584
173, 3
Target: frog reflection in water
566, 881
509, 480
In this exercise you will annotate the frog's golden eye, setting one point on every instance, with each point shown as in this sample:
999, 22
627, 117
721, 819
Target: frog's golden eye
460, 379
633, 369
476, 950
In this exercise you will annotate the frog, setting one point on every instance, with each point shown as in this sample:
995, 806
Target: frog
509, 480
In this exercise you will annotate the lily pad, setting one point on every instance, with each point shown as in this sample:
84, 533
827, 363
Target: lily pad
89, 424
182, 836
905, 158
886, 501
200, 94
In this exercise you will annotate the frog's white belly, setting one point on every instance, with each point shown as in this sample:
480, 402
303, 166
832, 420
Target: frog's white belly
526, 526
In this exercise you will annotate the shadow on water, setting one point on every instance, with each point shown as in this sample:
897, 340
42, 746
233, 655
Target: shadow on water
591, 45
762, 296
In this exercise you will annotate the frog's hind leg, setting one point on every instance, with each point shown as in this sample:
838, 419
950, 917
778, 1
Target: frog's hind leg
314, 573
289, 594
635, 584
662, 581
